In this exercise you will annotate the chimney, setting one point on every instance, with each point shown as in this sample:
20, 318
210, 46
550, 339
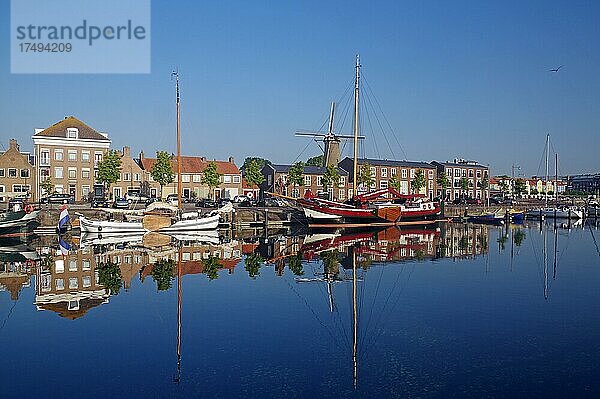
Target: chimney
126, 151
231, 160
141, 155
203, 159
12, 143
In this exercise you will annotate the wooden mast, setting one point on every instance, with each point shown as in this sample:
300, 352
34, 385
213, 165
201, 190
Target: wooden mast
176, 74
546, 182
356, 97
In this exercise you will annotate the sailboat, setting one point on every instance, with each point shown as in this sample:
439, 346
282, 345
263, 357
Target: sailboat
387, 205
555, 212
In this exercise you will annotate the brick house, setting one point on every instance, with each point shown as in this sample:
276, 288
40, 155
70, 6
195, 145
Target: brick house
473, 171
382, 170
250, 190
131, 177
16, 172
69, 152
276, 181
192, 171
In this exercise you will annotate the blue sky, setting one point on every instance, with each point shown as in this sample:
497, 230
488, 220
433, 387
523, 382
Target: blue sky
455, 79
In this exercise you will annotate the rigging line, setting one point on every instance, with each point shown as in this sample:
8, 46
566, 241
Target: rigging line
542, 159
8, 315
301, 152
386, 119
373, 131
594, 239
537, 259
381, 127
346, 110
314, 314
374, 299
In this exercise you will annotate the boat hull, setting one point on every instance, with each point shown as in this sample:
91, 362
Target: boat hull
100, 226
204, 223
555, 213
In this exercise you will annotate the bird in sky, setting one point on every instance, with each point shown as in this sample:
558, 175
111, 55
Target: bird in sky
556, 69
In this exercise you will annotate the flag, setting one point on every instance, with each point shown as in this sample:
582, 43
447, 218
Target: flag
64, 246
63, 218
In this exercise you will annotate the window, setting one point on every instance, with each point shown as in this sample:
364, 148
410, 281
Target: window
45, 158
25, 173
430, 184
404, 174
44, 174
85, 156
20, 188
383, 172
73, 283
72, 173
60, 284
1, 172
1, 191
72, 132
478, 173
307, 180
403, 187
137, 177
412, 173
464, 173
85, 191
373, 171
58, 155
97, 157
237, 179
72, 265
319, 181
383, 184
456, 172
196, 178
127, 176
86, 281
430, 174
58, 173
72, 155
226, 179
449, 172
12, 172
342, 181
270, 180
85, 173
470, 172
341, 194
295, 193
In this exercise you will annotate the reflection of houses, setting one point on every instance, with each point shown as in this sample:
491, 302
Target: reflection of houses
277, 181
463, 240
14, 276
383, 170
69, 285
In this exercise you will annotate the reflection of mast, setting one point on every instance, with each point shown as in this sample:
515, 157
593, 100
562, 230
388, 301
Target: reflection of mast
178, 375
544, 233
555, 248
354, 321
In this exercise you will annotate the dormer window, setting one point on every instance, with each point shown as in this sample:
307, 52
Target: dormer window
72, 132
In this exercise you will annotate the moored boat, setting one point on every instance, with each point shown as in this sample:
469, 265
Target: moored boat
99, 226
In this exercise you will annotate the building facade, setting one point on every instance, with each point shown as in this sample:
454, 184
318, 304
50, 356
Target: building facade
68, 153
476, 174
17, 175
586, 183
384, 171
131, 176
277, 181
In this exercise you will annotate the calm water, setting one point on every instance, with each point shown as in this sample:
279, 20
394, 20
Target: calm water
459, 311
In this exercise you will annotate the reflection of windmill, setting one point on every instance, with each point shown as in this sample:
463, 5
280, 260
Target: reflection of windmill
331, 141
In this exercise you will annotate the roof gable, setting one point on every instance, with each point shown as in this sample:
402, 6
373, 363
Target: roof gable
59, 130
194, 165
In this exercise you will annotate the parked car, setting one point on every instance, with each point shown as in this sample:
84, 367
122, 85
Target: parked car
136, 196
58, 198
99, 202
223, 201
474, 201
270, 202
121, 203
172, 199
205, 203
459, 201
240, 198
247, 203
151, 200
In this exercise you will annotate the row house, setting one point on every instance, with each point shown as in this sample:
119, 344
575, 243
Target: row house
383, 170
132, 176
536, 186
474, 172
587, 183
68, 153
276, 180
250, 190
16, 172
192, 172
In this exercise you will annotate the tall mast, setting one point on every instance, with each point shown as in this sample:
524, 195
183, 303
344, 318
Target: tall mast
556, 180
176, 74
546, 182
356, 94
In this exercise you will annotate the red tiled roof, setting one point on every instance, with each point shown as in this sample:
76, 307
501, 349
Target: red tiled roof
194, 165
59, 129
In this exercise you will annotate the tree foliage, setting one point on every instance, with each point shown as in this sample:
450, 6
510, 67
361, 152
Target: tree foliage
252, 264
296, 174
295, 264
364, 176
520, 187
315, 161
261, 162
162, 170
47, 186
395, 182
418, 182
211, 267
443, 181
109, 169
211, 177
109, 275
519, 237
485, 182
162, 273
504, 187
252, 170
464, 184
332, 177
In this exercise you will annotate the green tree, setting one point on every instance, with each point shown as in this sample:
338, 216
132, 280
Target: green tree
364, 176
211, 267
395, 182
520, 188
252, 264
518, 237
109, 275
211, 177
261, 162
504, 187
109, 169
485, 182
162, 170
418, 182
252, 171
464, 185
443, 182
502, 241
295, 264
331, 178
296, 174
162, 273
47, 186
315, 161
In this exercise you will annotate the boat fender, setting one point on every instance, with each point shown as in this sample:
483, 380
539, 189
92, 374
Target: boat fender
28, 208
99, 236
99, 228
29, 263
